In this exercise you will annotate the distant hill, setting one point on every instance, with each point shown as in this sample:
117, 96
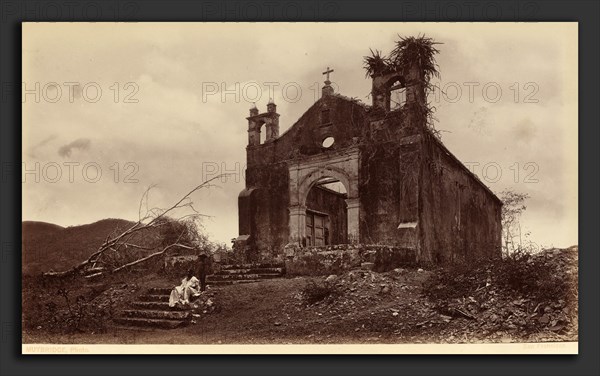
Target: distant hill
39, 229
46, 246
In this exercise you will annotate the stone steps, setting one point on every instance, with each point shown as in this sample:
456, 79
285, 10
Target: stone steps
160, 290
251, 266
151, 311
245, 273
280, 270
163, 306
154, 298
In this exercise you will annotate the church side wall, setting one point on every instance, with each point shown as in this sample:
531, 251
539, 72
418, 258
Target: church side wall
389, 181
460, 219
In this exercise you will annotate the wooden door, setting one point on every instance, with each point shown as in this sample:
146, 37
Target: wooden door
316, 225
319, 224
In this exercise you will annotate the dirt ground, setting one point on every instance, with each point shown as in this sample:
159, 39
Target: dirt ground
365, 307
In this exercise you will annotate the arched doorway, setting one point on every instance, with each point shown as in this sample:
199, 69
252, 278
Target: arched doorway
308, 218
326, 213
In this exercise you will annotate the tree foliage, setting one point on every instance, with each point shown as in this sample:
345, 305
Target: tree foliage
512, 208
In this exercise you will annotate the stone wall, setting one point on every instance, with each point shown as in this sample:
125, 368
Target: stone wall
178, 266
336, 259
266, 220
264, 204
460, 216
389, 184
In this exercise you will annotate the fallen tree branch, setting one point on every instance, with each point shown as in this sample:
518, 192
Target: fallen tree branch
149, 257
156, 215
465, 314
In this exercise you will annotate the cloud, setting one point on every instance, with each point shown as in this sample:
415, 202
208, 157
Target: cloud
80, 143
33, 150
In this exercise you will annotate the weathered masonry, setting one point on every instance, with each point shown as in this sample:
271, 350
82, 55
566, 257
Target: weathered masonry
350, 173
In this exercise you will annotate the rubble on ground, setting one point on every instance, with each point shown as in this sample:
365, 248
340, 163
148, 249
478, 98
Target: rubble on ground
368, 298
205, 303
396, 301
493, 310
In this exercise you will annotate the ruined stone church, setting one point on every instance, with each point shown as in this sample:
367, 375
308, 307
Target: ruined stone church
351, 173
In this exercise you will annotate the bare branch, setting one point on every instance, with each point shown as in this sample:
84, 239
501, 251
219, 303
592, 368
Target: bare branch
153, 255
156, 216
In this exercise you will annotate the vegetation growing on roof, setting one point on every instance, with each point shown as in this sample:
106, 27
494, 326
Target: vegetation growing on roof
409, 51
376, 64
418, 51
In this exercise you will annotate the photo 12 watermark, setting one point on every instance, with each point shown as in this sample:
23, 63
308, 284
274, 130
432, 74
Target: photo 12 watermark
71, 172
252, 91
490, 172
490, 92
441, 92
72, 92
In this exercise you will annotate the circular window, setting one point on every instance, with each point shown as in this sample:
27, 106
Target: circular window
328, 142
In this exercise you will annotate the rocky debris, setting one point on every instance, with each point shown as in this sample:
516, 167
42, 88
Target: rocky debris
496, 308
480, 303
206, 303
331, 279
381, 302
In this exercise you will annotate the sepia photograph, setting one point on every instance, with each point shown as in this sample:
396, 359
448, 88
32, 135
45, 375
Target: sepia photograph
313, 187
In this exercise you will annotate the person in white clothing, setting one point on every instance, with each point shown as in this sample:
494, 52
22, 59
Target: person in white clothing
188, 290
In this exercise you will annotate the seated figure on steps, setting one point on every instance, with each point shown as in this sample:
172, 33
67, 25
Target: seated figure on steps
185, 292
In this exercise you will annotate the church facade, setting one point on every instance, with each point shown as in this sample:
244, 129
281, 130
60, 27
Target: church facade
351, 173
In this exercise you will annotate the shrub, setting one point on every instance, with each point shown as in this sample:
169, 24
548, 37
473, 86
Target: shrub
63, 306
315, 292
536, 276
456, 280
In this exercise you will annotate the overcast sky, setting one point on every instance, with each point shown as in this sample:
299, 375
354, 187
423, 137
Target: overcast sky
162, 117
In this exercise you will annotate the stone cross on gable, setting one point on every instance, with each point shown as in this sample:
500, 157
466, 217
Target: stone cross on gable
327, 73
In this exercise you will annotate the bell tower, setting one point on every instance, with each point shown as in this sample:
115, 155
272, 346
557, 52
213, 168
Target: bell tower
269, 119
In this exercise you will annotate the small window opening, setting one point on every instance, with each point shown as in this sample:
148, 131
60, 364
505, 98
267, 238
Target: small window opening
328, 142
